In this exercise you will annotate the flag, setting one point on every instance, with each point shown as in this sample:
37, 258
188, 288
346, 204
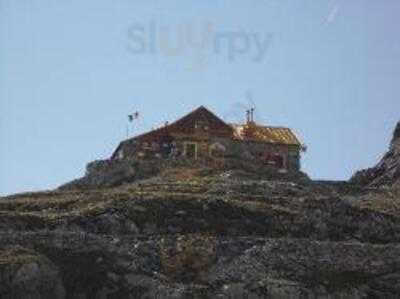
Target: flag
133, 116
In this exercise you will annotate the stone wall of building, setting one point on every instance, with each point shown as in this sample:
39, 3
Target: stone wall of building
262, 153
282, 157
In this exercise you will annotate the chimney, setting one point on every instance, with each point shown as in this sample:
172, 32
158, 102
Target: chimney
252, 115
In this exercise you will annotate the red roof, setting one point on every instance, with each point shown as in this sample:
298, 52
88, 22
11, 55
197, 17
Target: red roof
187, 125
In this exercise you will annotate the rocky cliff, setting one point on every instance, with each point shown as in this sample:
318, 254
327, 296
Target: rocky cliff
387, 171
188, 232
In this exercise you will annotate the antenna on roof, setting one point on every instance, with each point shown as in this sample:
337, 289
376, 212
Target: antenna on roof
247, 105
250, 112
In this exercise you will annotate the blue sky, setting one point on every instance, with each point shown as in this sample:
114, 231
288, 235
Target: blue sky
70, 72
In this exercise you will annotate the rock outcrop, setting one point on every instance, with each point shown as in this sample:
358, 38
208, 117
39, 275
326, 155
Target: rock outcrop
187, 231
205, 236
26, 274
387, 171
111, 173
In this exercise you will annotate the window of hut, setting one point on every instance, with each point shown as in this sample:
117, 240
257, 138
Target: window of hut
279, 161
276, 160
201, 126
217, 150
191, 149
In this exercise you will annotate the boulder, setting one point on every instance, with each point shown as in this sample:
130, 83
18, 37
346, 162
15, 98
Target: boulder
26, 274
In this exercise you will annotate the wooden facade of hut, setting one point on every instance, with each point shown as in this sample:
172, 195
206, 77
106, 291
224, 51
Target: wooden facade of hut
203, 135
